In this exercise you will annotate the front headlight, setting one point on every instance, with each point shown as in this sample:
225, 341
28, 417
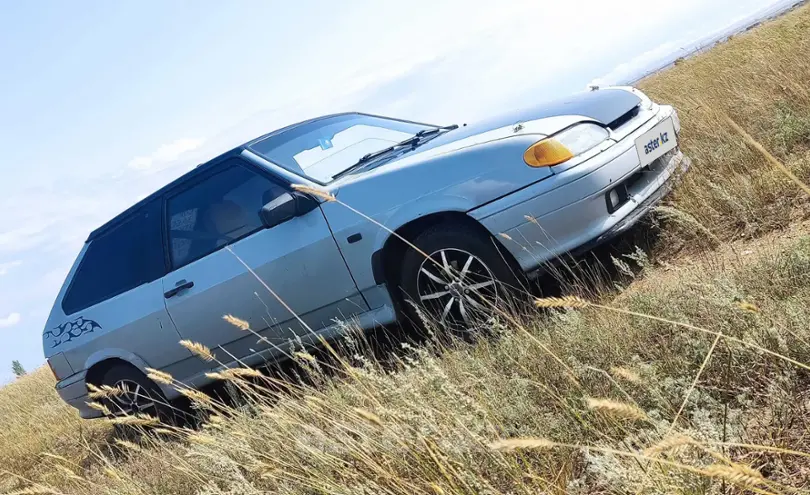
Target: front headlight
566, 145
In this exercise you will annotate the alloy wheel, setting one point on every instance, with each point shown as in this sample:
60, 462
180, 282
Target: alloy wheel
457, 287
133, 398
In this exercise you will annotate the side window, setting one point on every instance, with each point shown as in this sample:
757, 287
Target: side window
129, 255
221, 209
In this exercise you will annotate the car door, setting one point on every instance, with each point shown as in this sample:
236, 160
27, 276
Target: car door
113, 306
214, 229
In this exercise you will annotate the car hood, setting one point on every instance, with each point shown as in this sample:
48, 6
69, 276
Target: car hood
604, 106
482, 161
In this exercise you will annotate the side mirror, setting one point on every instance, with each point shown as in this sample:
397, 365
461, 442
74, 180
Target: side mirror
288, 205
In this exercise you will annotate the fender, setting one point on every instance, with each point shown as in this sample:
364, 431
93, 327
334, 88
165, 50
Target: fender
417, 209
360, 257
129, 357
411, 212
105, 354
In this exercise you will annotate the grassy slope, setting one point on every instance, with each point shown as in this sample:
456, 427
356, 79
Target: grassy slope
759, 79
427, 428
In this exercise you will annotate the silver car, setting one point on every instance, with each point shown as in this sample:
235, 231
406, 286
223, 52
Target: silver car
424, 216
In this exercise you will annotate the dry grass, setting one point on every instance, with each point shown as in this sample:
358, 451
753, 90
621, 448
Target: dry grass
497, 416
759, 80
689, 380
34, 422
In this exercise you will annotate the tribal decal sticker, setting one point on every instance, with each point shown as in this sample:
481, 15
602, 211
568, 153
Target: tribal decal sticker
71, 330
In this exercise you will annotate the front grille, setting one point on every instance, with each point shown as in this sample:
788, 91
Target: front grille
637, 181
627, 117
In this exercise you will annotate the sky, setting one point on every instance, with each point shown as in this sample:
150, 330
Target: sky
102, 102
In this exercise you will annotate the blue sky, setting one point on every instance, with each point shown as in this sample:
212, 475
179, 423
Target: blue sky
103, 102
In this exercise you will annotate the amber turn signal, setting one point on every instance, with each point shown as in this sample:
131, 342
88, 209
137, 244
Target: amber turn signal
546, 153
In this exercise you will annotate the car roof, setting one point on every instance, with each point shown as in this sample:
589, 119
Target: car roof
116, 220
112, 223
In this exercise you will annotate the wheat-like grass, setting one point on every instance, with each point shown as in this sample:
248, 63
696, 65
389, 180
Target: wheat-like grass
314, 191
368, 416
128, 445
198, 350
67, 472
305, 356
669, 444
510, 444
99, 407
736, 473
136, 420
626, 374
437, 489
58, 457
196, 395
237, 322
103, 392
561, 302
166, 431
159, 376
202, 439
747, 306
239, 373
112, 473
616, 408
531, 219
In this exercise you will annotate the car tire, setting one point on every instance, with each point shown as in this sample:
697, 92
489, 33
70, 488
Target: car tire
462, 246
142, 396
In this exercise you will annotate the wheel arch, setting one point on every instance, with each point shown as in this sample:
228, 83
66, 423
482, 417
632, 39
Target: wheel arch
96, 372
386, 262
98, 363
113, 353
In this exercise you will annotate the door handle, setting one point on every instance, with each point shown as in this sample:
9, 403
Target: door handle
180, 286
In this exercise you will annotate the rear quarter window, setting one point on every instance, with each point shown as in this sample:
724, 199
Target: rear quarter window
129, 255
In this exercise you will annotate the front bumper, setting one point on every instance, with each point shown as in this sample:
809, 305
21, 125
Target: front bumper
678, 162
571, 216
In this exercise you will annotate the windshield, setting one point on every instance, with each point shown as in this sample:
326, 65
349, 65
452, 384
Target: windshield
326, 147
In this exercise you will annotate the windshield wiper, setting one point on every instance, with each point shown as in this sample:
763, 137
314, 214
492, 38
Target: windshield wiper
413, 142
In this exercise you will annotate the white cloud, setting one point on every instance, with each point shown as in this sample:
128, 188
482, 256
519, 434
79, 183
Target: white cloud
6, 267
140, 163
165, 155
10, 320
171, 151
23, 237
639, 65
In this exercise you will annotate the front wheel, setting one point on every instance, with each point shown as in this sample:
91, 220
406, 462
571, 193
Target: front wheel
462, 282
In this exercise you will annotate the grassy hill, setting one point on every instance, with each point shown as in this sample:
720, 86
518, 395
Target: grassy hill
687, 372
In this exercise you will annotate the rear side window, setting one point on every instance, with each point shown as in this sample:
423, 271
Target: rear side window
129, 255
217, 211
